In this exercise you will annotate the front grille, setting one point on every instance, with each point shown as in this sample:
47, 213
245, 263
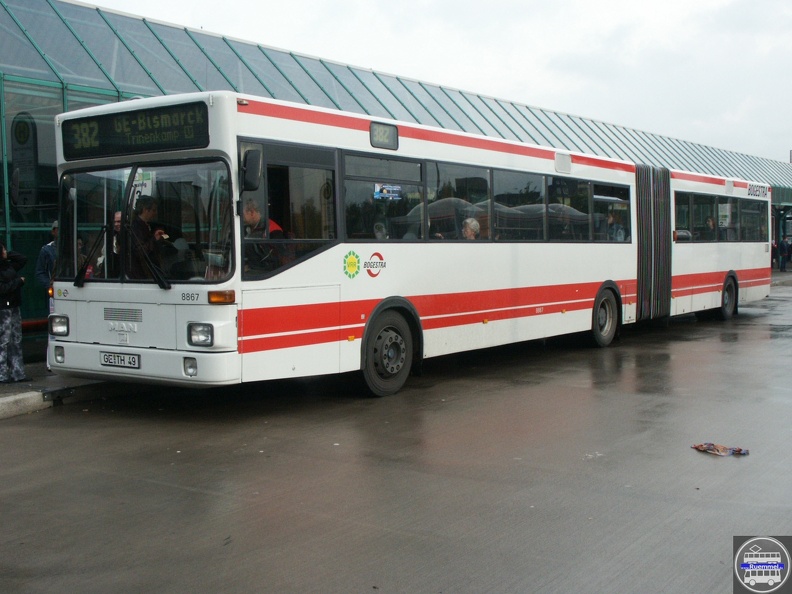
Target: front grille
115, 314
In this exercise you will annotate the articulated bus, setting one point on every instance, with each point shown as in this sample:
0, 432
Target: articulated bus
215, 238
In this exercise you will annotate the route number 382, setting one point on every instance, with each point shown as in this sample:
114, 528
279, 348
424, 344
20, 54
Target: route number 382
85, 135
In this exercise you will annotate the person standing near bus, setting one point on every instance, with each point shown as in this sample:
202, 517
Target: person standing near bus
12, 366
45, 263
783, 254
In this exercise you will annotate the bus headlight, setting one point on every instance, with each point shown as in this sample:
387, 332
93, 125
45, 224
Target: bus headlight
58, 325
199, 334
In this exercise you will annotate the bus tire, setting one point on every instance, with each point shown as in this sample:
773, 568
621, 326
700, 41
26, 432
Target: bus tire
728, 300
388, 354
604, 318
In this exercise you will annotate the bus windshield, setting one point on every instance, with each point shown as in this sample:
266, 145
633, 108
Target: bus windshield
146, 223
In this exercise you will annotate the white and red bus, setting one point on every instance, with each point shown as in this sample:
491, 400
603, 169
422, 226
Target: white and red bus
214, 238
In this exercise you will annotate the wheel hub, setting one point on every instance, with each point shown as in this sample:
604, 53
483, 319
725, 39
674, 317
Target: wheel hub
391, 351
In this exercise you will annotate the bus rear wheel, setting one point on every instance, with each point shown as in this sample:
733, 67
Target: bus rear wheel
728, 300
388, 354
604, 318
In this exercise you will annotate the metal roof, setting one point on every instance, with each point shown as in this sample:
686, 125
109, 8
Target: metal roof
89, 48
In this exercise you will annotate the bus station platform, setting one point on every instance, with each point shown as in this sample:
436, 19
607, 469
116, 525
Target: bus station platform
45, 389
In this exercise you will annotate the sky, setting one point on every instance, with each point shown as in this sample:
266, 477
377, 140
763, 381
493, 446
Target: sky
716, 72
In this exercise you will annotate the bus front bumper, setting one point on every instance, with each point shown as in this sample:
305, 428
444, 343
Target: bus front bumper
151, 366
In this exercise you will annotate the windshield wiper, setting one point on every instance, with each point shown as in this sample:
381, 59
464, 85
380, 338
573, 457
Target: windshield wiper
79, 280
156, 272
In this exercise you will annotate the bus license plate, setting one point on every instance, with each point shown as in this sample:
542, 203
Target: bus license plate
119, 360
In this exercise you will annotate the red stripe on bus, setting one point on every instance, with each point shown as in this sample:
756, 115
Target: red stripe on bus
478, 143
700, 283
302, 325
602, 163
698, 178
286, 112
300, 318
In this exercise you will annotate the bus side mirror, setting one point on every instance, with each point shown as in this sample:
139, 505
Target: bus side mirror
251, 170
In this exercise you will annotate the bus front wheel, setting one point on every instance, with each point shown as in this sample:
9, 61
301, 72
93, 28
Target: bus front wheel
388, 354
604, 319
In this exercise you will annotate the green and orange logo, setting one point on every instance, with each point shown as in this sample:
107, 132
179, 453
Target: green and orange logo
351, 264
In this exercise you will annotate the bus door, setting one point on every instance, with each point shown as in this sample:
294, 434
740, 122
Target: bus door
654, 241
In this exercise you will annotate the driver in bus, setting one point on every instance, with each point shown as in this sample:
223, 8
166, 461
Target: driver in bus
145, 240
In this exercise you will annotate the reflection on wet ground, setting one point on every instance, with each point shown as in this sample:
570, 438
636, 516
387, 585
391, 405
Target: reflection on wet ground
540, 467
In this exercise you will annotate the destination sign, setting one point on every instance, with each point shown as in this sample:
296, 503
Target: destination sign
156, 129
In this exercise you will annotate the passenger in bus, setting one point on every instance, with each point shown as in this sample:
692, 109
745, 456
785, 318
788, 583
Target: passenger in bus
258, 255
470, 228
710, 230
615, 228
255, 226
109, 265
145, 239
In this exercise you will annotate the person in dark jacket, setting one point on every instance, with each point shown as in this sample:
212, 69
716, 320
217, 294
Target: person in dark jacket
12, 367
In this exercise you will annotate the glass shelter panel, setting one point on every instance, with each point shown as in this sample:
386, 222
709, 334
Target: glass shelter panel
331, 86
60, 45
295, 74
383, 95
461, 101
30, 136
277, 86
230, 64
17, 54
408, 100
191, 57
361, 93
151, 53
492, 118
116, 59
442, 99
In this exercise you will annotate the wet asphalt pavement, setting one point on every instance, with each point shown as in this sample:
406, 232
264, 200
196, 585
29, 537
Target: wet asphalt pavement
534, 468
